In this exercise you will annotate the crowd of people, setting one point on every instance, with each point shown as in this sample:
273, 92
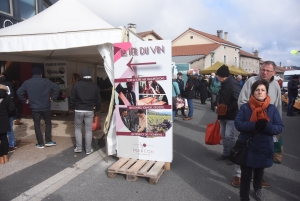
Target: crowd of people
253, 107
38, 93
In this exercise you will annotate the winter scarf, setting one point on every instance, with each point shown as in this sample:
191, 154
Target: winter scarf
258, 109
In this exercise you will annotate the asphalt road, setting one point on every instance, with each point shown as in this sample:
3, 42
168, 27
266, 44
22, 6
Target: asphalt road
194, 174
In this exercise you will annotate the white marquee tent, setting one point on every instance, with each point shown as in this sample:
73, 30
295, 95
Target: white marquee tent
67, 31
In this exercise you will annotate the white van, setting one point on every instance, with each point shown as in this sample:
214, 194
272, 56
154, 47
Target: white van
287, 76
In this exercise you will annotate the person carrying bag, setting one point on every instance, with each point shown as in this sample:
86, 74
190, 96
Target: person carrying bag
257, 120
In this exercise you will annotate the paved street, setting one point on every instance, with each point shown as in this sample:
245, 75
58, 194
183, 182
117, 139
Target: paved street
57, 173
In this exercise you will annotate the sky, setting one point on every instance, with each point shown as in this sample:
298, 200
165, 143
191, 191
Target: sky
270, 26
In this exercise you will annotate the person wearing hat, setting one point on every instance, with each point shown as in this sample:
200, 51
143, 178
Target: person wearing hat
38, 90
227, 109
293, 86
85, 96
180, 82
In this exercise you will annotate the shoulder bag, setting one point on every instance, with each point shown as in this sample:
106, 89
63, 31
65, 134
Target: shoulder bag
238, 154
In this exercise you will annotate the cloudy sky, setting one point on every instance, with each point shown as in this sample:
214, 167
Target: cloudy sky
270, 26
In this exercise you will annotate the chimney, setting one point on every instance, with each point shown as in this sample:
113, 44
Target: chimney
132, 27
255, 53
220, 33
225, 35
280, 64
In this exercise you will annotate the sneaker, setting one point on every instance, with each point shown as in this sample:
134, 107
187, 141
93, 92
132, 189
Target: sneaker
265, 184
222, 157
259, 196
236, 181
89, 152
39, 146
77, 150
11, 149
50, 144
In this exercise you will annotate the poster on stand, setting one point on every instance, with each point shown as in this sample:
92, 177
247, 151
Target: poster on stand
57, 73
143, 88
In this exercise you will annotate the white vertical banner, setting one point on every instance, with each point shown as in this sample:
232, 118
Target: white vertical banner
143, 88
57, 73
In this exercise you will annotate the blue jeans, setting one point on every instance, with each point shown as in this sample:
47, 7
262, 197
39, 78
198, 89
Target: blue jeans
227, 133
11, 133
290, 105
191, 107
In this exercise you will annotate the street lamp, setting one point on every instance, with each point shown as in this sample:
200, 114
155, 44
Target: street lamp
295, 52
211, 57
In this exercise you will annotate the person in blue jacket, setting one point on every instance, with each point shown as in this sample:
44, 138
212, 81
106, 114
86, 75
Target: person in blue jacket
262, 119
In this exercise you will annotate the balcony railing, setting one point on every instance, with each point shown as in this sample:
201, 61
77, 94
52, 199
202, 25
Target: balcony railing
6, 20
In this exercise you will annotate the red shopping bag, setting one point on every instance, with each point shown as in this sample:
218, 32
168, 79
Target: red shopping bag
212, 134
96, 123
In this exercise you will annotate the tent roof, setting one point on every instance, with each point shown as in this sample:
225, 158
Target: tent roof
66, 24
212, 69
63, 16
243, 71
235, 71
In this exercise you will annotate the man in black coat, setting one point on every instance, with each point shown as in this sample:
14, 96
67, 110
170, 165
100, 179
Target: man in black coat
228, 97
85, 96
189, 94
181, 88
38, 90
11, 93
292, 94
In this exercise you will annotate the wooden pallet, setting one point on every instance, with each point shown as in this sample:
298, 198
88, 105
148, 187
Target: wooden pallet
135, 168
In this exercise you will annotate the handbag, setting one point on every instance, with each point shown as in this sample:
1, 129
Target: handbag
96, 123
179, 102
222, 109
238, 154
278, 149
212, 133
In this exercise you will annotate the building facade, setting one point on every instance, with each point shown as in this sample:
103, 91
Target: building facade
213, 47
249, 62
14, 11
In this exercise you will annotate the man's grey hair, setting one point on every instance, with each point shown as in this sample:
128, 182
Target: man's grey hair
174, 77
269, 63
239, 76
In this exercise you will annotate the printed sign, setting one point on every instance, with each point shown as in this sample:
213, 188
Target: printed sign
57, 73
143, 88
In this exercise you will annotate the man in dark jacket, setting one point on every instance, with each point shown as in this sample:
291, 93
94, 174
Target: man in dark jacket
38, 90
228, 97
292, 94
189, 94
181, 88
11, 93
85, 96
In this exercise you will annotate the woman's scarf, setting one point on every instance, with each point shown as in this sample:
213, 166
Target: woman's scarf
259, 108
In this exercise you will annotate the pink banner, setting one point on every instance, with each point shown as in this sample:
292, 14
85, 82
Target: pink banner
146, 134
139, 79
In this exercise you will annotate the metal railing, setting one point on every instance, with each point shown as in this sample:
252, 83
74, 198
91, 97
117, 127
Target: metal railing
6, 20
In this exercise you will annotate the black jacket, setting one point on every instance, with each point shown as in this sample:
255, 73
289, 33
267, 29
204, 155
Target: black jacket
7, 108
38, 90
292, 88
3, 81
85, 95
203, 89
228, 95
181, 85
189, 88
